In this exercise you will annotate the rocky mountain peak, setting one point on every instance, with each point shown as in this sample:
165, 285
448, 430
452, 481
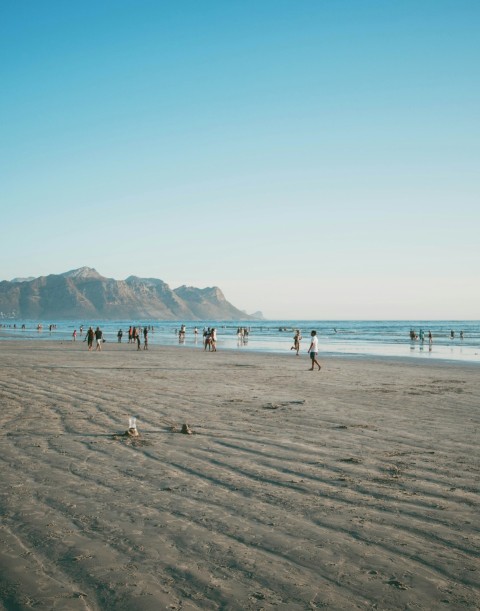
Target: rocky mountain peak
82, 272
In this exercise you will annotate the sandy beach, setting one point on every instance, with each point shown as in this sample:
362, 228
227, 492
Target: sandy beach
356, 487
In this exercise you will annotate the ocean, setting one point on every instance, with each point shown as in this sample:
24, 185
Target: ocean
336, 337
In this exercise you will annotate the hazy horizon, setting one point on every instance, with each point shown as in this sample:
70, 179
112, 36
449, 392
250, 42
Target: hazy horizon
314, 160
265, 317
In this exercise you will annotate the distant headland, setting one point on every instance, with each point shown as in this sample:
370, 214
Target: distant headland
84, 293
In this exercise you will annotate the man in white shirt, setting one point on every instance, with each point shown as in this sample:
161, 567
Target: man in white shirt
313, 350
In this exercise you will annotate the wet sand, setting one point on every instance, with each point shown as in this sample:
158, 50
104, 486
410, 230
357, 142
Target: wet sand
356, 487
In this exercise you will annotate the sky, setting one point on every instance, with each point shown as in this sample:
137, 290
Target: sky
315, 159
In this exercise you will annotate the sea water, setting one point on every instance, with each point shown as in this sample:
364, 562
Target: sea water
336, 337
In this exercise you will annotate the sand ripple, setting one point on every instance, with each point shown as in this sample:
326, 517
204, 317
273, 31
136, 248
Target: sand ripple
353, 488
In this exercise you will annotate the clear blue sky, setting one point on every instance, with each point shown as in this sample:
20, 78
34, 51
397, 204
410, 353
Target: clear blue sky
312, 158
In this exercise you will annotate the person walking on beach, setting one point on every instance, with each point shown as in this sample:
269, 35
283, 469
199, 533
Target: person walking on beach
89, 338
313, 350
99, 338
296, 341
74, 334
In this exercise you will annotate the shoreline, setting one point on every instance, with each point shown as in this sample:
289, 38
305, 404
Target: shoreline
352, 487
390, 338
323, 354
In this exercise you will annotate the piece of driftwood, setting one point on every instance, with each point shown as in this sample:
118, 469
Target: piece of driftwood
186, 430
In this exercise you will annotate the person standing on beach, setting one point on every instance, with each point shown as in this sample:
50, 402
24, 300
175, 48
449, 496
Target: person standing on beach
313, 350
207, 339
145, 338
296, 341
99, 338
74, 334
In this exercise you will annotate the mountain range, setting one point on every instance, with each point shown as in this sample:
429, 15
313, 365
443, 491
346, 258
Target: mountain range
85, 294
